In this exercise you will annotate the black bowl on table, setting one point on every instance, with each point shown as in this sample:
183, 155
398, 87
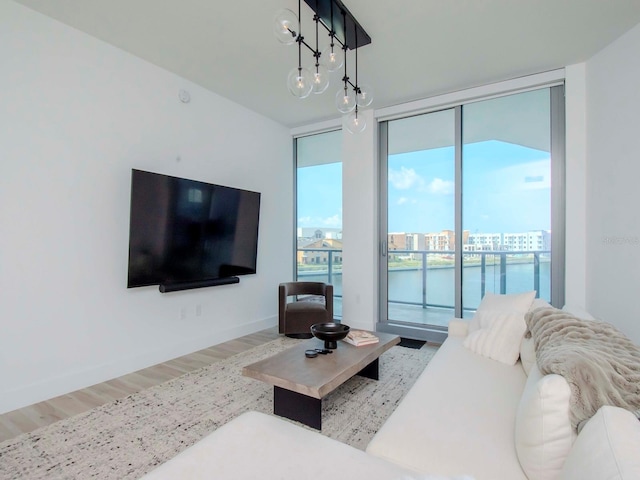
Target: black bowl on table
330, 333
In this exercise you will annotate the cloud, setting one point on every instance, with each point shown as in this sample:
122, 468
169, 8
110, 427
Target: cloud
407, 178
404, 178
405, 200
441, 187
335, 221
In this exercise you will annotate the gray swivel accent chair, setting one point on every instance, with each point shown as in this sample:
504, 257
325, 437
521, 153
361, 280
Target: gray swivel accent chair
313, 303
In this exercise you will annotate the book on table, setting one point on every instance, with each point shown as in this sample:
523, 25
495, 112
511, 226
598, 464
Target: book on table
360, 338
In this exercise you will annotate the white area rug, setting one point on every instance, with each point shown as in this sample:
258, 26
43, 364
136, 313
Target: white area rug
129, 437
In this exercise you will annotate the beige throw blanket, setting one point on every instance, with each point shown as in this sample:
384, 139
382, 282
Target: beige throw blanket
600, 364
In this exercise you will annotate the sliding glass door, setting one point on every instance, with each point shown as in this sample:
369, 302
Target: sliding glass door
467, 208
319, 211
420, 209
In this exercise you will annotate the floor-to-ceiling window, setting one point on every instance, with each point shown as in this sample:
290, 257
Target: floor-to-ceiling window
506, 196
420, 219
319, 211
467, 207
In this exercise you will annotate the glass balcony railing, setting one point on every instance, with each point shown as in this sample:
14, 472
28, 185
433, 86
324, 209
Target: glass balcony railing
425, 278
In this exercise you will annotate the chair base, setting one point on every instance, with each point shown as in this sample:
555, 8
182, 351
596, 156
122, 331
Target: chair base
298, 335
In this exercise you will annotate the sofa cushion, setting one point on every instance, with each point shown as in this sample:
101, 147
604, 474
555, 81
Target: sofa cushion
498, 326
457, 419
305, 306
255, 445
543, 432
608, 448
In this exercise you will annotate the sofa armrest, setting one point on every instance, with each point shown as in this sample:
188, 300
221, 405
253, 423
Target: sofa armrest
255, 445
459, 327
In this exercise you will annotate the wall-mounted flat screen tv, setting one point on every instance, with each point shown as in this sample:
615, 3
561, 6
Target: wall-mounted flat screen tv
188, 231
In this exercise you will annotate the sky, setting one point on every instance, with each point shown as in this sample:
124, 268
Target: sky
506, 189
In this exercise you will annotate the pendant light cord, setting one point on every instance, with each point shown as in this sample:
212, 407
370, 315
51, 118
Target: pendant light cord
344, 48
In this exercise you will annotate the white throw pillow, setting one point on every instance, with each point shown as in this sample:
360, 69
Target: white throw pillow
497, 328
494, 303
608, 447
539, 303
501, 340
544, 435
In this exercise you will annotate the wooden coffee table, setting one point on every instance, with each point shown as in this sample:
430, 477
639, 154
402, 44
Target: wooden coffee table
300, 383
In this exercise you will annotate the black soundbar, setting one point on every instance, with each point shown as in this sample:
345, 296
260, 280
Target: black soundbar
214, 282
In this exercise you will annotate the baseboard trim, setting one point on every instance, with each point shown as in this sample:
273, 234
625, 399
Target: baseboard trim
46, 389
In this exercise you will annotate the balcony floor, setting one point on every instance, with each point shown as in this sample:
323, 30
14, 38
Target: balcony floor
409, 313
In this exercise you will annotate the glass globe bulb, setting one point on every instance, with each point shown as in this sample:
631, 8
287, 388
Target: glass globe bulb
285, 26
320, 79
355, 123
333, 60
345, 101
300, 82
365, 96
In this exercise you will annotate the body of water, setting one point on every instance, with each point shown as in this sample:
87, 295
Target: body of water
406, 285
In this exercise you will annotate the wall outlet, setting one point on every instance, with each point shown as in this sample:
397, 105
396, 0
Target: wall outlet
198, 310
183, 313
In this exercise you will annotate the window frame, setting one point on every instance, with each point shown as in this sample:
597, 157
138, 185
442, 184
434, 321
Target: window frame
558, 203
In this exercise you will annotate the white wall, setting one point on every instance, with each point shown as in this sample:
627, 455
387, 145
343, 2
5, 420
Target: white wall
575, 185
613, 194
602, 227
360, 226
75, 116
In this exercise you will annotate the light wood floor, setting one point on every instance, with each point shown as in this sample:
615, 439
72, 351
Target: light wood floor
44, 413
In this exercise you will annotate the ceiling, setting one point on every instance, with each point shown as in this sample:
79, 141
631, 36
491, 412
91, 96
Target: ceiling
419, 48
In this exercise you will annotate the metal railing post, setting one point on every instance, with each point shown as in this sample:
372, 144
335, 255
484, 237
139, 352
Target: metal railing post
503, 273
483, 274
536, 274
330, 267
424, 280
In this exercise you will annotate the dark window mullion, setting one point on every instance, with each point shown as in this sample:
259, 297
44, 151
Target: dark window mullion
458, 213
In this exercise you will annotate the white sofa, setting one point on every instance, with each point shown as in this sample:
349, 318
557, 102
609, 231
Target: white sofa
467, 416
458, 418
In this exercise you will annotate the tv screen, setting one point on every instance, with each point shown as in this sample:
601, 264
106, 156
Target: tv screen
188, 231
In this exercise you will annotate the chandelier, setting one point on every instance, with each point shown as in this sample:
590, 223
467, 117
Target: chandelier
345, 33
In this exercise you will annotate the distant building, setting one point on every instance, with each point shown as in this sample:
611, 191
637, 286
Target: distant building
532, 241
415, 241
397, 241
313, 254
485, 242
444, 241
318, 233
406, 241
